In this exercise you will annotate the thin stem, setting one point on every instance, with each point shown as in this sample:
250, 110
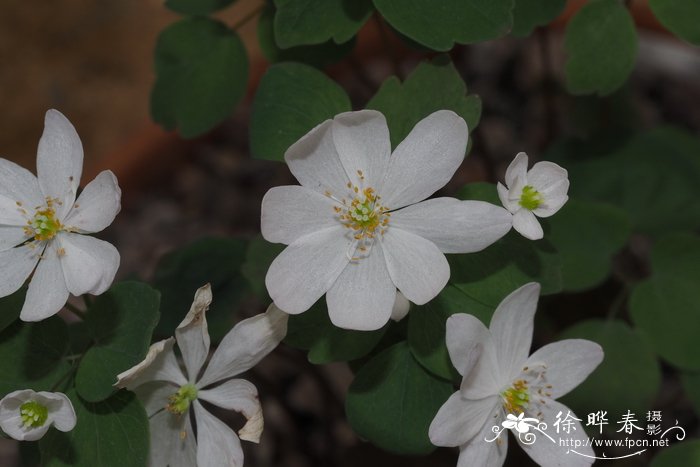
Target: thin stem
618, 304
87, 300
391, 52
76, 311
249, 16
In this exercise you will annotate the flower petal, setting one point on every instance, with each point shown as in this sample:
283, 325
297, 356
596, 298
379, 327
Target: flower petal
19, 184
89, 264
480, 452
241, 396
545, 175
426, 160
160, 364
525, 222
416, 266
455, 226
512, 326
466, 338
307, 268
290, 212
554, 199
315, 162
10, 237
460, 419
362, 141
517, 169
193, 335
245, 345
154, 395
363, 295
16, 264
59, 161
97, 205
568, 363
61, 411
401, 307
550, 454
172, 441
504, 195
11, 420
217, 444
47, 292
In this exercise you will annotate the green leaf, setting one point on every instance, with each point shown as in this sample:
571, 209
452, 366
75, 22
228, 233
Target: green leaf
10, 307
601, 41
201, 74
303, 22
666, 307
627, 379
111, 433
197, 7
121, 323
438, 25
528, 14
691, 384
393, 399
31, 355
291, 100
313, 331
586, 235
318, 55
179, 274
685, 453
432, 86
259, 256
680, 17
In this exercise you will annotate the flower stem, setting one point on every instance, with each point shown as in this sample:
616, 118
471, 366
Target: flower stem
76, 311
249, 16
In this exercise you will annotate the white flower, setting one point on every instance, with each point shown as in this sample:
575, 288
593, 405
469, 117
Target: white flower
358, 227
170, 394
41, 224
540, 191
500, 379
26, 415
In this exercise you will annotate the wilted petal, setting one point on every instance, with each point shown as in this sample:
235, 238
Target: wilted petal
97, 205
172, 441
525, 222
160, 364
15, 266
241, 396
218, 445
193, 335
245, 345
455, 226
460, 419
47, 292
155, 395
89, 264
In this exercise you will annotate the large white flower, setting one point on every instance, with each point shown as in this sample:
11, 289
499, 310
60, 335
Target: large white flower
170, 394
358, 227
540, 191
26, 415
41, 224
500, 380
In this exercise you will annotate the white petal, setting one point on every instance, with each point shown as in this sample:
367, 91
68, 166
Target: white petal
97, 205
512, 326
550, 454
569, 362
517, 169
11, 420
19, 184
245, 345
47, 292
59, 161
455, 226
155, 395
172, 441
218, 445
426, 160
307, 268
544, 175
362, 141
241, 396
11, 214
466, 338
401, 307
89, 264
11, 237
554, 199
363, 296
193, 335
416, 266
160, 364
61, 411
479, 452
525, 222
314, 161
15, 266
290, 212
460, 419
504, 195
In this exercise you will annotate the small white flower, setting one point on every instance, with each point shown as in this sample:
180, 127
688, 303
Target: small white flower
501, 380
27, 415
41, 224
540, 191
358, 228
170, 394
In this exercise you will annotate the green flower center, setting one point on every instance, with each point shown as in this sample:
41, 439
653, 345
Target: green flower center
530, 198
33, 414
516, 398
179, 402
44, 226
